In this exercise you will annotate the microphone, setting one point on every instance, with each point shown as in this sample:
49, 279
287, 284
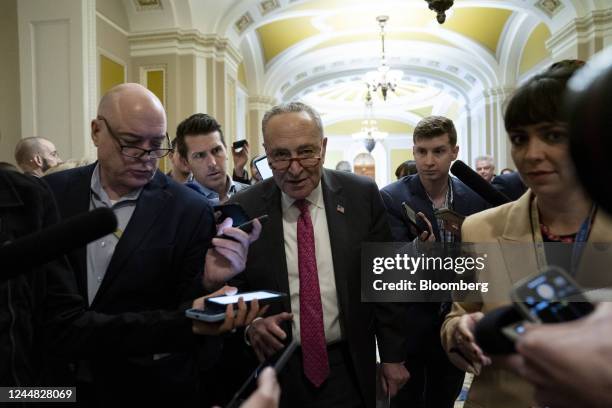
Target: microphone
50, 243
488, 332
480, 186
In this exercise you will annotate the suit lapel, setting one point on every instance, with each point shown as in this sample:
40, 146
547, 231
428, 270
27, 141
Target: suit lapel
149, 207
336, 211
77, 201
274, 239
419, 202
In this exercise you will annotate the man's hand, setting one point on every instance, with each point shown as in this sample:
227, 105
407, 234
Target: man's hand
266, 335
233, 320
428, 235
465, 353
268, 391
227, 257
240, 160
569, 363
393, 377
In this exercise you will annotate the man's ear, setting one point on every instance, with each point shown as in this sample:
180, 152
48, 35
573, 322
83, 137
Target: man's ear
323, 149
455, 152
95, 132
38, 161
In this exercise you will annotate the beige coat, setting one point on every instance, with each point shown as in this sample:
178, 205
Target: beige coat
509, 225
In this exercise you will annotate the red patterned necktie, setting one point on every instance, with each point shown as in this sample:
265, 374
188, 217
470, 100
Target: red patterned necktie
312, 333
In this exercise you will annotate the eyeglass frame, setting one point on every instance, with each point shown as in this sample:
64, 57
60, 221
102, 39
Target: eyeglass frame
144, 152
291, 160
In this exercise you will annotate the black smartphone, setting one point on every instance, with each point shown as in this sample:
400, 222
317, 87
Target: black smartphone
214, 309
233, 211
551, 296
277, 361
263, 167
411, 216
239, 144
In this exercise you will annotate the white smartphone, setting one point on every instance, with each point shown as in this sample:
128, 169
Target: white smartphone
214, 310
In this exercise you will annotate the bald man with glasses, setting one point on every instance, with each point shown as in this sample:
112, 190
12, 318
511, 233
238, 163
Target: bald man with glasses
157, 256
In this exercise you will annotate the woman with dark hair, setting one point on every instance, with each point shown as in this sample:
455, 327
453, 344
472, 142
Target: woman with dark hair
555, 208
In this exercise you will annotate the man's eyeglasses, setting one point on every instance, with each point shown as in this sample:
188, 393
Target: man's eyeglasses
284, 164
134, 151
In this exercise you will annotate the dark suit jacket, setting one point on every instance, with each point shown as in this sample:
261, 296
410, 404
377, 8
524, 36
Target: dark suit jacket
355, 214
157, 264
510, 184
409, 189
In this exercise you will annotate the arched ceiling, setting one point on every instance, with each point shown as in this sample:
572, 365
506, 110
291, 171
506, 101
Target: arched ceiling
318, 50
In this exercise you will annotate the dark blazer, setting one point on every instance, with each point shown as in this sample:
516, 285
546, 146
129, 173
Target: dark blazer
355, 214
157, 265
409, 189
510, 184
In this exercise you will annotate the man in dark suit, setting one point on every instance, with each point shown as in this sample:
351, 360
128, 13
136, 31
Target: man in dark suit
434, 381
155, 258
510, 185
310, 249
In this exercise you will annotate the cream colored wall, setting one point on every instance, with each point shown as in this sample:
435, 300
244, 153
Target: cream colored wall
10, 111
114, 10
112, 43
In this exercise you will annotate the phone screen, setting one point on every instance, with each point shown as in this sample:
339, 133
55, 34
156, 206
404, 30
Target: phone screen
248, 296
263, 167
552, 297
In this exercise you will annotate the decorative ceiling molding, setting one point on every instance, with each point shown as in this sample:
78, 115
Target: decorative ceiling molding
268, 6
148, 5
244, 22
183, 42
550, 7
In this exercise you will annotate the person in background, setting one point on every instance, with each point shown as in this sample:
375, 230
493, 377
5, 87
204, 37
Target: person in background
485, 166
180, 172
200, 142
36, 155
506, 170
241, 158
9, 167
344, 166
69, 164
407, 168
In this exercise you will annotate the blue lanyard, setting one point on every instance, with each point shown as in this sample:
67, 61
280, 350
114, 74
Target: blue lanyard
581, 238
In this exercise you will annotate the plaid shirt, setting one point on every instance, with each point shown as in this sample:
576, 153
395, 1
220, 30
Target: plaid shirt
445, 236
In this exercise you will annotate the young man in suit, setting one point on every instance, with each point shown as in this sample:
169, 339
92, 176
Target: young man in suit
310, 249
434, 381
155, 258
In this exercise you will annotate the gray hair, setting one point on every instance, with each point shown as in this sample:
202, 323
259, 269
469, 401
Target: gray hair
485, 158
292, 107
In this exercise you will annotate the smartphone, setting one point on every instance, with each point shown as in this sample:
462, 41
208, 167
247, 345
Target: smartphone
450, 217
239, 144
214, 310
263, 167
277, 361
551, 296
233, 211
415, 228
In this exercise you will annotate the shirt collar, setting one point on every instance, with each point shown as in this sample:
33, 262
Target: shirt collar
99, 192
315, 198
212, 194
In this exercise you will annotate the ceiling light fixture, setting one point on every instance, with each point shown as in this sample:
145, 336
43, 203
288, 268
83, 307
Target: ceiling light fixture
440, 7
369, 132
384, 78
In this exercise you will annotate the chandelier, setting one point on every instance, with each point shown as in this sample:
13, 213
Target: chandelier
369, 132
440, 7
384, 78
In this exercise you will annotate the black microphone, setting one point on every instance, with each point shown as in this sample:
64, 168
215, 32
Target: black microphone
480, 186
488, 332
43, 246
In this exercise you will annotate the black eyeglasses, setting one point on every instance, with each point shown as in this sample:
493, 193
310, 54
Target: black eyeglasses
284, 164
137, 152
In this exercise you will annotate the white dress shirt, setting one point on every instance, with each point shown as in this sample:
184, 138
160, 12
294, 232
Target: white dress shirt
325, 266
